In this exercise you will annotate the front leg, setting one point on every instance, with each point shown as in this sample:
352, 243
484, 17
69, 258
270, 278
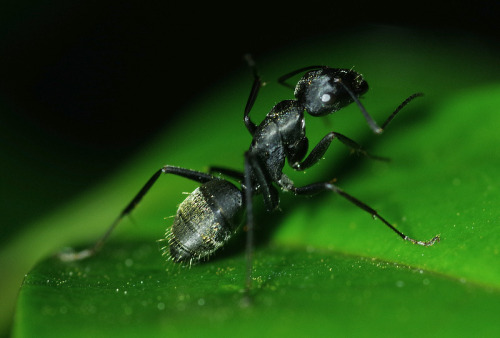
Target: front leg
320, 149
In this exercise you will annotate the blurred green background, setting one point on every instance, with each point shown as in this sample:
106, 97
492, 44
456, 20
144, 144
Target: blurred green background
85, 86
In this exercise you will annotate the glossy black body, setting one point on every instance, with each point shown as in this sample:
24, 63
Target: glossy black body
212, 213
281, 136
198, 230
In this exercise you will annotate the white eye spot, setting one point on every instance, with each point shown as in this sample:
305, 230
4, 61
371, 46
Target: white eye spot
326, 98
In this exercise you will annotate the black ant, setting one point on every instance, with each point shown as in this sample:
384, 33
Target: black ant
212, 213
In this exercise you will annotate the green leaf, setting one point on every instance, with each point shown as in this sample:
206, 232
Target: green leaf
322, 265
130, 291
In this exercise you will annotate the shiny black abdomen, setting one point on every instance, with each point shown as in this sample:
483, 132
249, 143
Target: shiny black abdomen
205, 220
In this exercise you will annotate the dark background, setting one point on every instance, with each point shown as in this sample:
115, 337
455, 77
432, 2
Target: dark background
83, 84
